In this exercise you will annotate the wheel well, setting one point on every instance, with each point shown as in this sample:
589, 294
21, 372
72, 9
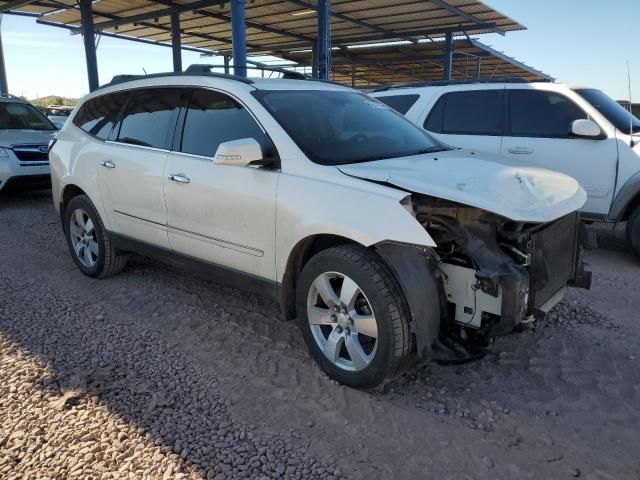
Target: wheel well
630, 208
300, 255
69, 192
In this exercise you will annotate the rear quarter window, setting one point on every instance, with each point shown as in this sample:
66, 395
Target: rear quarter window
98, 115
400, 103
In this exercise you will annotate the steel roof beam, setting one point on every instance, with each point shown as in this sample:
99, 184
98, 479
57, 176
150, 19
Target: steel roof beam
249, 23
461, 13
343, 17
129, 39
5, 7
177, 8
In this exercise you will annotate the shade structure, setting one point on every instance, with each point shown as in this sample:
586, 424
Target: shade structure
387, 64
274, 26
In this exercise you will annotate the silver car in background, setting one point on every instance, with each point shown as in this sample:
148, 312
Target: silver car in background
24, 143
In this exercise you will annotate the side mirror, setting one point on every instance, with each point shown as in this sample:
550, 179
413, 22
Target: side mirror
58, 125
586, 128
243, 152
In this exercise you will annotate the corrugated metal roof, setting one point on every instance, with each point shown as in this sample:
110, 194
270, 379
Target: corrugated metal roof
404, 63
275, 26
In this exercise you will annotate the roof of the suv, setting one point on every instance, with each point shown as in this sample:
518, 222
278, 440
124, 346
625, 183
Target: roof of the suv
12, 99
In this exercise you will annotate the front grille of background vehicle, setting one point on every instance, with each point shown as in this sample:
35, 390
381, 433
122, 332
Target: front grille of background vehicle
553, 256
31, 153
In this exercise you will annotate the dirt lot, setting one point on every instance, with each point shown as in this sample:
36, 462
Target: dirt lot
156, 373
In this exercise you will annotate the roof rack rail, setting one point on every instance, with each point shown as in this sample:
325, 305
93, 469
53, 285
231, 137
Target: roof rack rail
441, 83
286, 74
130, 77
206, 70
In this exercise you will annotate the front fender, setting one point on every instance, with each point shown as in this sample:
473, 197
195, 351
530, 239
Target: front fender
627, 193
308, 207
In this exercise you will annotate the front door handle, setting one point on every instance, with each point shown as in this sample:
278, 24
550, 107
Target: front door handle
108, 164
521, 150
179, 177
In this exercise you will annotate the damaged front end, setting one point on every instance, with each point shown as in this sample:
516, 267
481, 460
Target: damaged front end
497, 273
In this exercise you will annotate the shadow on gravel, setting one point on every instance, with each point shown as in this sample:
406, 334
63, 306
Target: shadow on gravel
89, 353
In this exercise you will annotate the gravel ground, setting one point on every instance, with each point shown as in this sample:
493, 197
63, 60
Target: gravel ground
157, 373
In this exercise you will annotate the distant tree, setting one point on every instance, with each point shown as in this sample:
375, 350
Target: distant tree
57, 101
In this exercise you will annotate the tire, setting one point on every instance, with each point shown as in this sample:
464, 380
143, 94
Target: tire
633, 231
89, 242
358, 354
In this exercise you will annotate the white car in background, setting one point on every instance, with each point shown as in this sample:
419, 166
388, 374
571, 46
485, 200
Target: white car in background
383, 242
58, 115
24, 138
575, 130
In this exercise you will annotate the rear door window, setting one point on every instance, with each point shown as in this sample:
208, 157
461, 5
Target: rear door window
150, 116
400, 103
534, 113
98, 115
477, 112
213, 118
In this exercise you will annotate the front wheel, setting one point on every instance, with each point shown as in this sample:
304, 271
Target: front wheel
89, 241
633, 231
353, 316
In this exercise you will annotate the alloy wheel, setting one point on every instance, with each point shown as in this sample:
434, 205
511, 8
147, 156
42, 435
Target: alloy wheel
342, 321
83, 238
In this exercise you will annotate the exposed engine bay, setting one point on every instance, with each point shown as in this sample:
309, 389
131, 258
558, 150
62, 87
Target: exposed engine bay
497, 273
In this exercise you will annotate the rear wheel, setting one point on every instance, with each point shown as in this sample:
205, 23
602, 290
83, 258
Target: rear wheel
353, 316
89, 242
633, 231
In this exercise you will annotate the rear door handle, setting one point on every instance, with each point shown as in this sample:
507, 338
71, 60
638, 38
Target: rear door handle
180, 178
108, 164
520, 150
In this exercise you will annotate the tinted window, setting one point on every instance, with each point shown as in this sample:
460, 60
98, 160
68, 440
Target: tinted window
619, 116
339, 127
467, 113
19, 116
214, 118
535, 113
400, 103
149, 117
98, 115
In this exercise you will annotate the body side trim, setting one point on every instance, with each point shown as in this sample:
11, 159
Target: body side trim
217, 273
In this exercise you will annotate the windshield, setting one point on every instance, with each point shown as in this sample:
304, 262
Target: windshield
339, 127
620, 117
21, 116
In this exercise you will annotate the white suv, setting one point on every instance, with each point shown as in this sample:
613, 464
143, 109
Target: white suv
384, 243
575, 130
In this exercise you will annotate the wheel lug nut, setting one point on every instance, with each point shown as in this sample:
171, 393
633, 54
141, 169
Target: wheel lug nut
339, 329
334, 318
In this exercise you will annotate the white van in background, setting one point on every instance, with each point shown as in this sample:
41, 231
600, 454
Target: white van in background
575, 130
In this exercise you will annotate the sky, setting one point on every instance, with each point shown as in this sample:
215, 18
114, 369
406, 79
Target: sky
586, 42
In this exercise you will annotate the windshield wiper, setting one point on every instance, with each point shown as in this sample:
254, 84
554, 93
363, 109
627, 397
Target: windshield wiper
434, 149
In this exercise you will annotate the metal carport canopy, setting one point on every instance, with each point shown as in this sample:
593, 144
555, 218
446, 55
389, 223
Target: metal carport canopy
272, 26
388, 64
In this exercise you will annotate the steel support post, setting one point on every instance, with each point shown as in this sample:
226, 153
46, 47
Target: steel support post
324, 39
88, 36
239, 37
448, 55
176, 41
4, 86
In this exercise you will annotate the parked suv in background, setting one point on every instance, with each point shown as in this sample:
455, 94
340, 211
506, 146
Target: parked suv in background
384, 243
575, 130
24, 138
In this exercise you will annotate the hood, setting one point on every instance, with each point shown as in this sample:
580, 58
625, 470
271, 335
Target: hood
19, 137
520, 193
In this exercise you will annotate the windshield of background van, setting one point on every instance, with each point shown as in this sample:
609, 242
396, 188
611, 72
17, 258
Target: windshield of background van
619, 116
340, 127
19, 116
